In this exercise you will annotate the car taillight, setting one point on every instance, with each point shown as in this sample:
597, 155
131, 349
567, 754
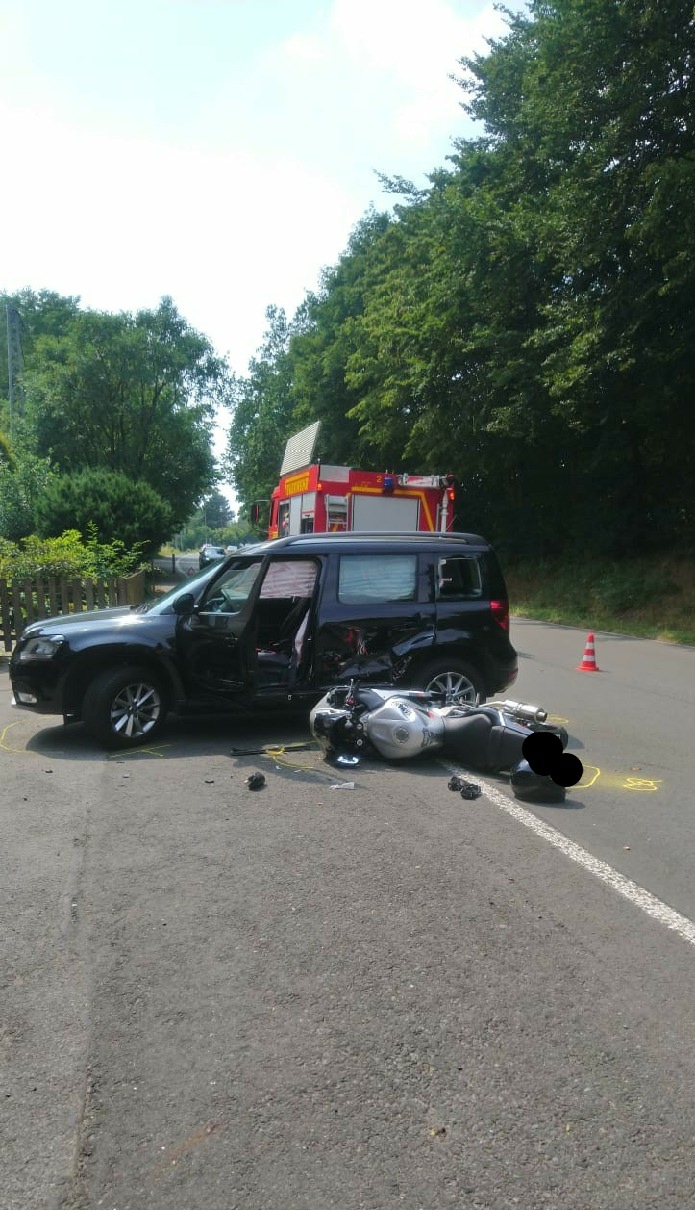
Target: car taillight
500, 613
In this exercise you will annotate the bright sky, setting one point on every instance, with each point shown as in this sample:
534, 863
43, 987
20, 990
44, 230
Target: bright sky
219, 151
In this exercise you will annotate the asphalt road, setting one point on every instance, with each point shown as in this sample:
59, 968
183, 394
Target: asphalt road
186, 564
374, 997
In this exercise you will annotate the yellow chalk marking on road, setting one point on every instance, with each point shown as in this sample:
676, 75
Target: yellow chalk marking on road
5, 747
279, 757
138, 752
645, 784
583, 785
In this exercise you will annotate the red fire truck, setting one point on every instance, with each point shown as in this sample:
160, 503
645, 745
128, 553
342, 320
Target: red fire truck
314, 497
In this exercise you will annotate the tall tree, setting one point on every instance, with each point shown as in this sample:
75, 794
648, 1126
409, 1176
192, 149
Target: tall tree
530, 317
134, 394
327, 337
263, 406
216, 511
593, 102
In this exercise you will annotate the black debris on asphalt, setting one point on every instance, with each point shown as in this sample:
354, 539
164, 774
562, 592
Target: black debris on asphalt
467, 789
255, 781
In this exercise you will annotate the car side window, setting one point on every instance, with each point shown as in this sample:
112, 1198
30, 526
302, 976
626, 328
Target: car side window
370, 579
289, 578
459, 579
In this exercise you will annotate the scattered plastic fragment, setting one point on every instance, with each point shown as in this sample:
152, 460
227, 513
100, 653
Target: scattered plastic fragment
343, 785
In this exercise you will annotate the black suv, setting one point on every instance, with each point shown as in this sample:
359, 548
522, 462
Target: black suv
283, 621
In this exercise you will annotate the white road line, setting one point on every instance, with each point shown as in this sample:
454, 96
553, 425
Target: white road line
600, 869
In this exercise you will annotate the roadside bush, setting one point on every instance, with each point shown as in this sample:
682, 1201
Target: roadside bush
119, 510
66, 555
623, 589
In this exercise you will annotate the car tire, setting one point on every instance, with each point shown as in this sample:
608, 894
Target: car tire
453, 676
124, 707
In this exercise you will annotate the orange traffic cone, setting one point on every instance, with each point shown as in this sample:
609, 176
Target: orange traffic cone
588, 663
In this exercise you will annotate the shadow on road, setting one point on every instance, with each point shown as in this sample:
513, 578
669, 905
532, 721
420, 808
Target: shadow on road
180, 738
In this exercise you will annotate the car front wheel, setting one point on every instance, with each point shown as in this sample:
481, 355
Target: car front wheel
124, 707
459, 681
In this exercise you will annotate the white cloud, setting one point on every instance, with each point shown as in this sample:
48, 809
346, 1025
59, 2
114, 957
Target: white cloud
406, 38
303, 48
252, 175
121, 222
395, 60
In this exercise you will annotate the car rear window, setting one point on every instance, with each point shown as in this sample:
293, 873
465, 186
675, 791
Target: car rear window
366, 579
459, 578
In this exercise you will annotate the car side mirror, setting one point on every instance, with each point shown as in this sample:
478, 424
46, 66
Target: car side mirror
184, 605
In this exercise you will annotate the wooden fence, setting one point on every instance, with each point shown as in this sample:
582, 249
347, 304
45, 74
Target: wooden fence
25, 601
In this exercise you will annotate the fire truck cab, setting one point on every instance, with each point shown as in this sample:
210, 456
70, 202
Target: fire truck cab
314, 497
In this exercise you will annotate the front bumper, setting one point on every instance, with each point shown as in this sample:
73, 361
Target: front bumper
41, 694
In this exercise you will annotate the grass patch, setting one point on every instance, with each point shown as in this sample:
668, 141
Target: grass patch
647, 598
166, 551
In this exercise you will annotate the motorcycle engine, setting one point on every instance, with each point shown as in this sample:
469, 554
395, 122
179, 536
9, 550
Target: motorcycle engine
401, 729
335, 729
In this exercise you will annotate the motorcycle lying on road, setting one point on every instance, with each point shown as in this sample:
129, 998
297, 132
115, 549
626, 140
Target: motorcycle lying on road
355, 720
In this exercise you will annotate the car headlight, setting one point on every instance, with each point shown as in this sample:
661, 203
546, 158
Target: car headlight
42, 647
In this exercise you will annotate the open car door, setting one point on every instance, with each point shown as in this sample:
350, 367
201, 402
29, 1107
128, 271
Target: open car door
249, 628
217, 642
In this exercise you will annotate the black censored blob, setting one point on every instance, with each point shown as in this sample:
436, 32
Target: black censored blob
568, 770
545, 756
542, 751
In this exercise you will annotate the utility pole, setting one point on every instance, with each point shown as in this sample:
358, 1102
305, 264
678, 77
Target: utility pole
14, 363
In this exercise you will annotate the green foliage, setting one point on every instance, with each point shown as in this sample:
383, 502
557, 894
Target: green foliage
263, 406
109, 506
527, 322
66, 555
6, 455
197, 531
23, 479
215, 511
621, 589
134, 394
647, 596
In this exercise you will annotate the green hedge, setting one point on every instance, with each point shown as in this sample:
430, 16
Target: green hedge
67, 555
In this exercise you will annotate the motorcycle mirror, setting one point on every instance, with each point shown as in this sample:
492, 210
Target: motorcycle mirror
346, 760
